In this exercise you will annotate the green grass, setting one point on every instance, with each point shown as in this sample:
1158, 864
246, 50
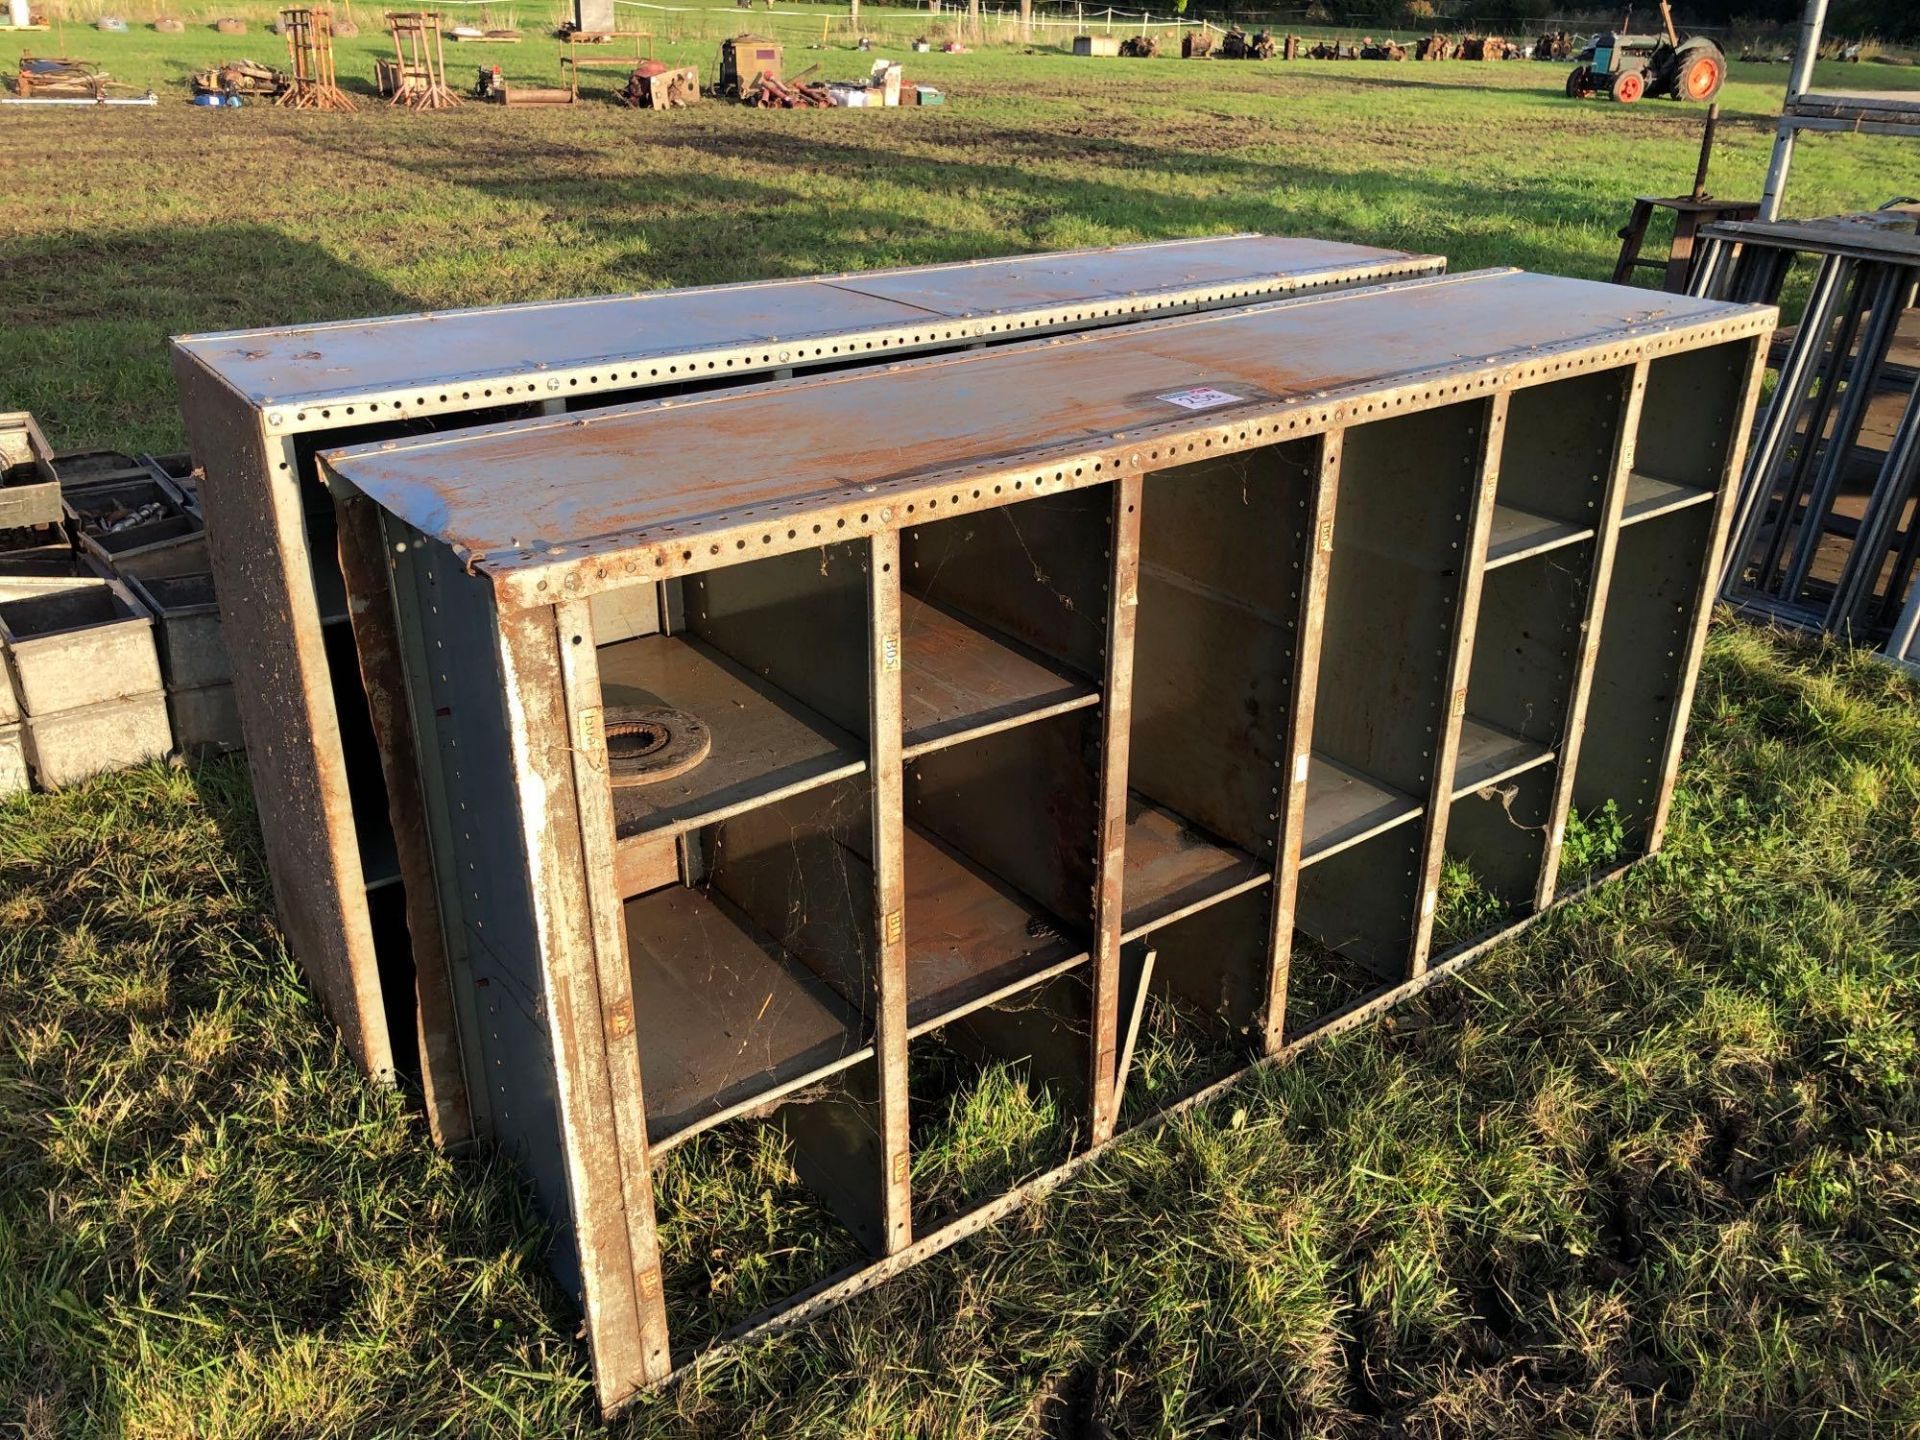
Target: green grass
1651, 1168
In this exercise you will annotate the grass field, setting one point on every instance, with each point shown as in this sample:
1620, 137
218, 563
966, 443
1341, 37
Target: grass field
1652, 1169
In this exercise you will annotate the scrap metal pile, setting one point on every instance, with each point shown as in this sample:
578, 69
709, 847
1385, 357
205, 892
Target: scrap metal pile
1238, 45
246, 78
1141, 47
60, 77
654, 85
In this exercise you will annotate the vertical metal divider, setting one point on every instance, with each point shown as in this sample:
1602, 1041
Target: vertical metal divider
1116, 734
886, 776
1466, 616
552, 691
1725, 498
433, 796
1297, 742
1599, 579
444, 1078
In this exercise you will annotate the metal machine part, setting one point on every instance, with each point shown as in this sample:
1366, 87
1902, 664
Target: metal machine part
259, 404
1210, 638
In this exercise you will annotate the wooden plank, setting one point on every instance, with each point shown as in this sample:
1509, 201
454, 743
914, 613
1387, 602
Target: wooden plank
724, 1016
765, 743
961, 680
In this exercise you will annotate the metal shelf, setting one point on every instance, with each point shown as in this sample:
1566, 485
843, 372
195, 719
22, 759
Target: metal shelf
971, 940
1517, 534
1174, 869
1489, 754
724, 1018
1345, 807
959, 680
766, 745
1648, 497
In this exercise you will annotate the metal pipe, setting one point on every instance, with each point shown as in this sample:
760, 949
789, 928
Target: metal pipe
1815, 426
1768, 439
1870, 542
1812, 20
1888, 289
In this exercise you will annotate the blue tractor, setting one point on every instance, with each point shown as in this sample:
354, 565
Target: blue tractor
1628, 66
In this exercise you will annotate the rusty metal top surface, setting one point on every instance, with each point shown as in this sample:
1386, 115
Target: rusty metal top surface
539, 351
1881, 234
625, 491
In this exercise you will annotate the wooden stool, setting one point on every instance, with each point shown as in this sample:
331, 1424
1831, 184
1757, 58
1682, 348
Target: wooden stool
1689, 214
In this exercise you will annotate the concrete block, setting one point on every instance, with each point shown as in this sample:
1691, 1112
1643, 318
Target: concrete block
187, 618
14, 776
206, 720
68, 746
78, 647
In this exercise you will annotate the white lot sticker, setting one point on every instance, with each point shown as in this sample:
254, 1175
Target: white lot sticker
1202, 397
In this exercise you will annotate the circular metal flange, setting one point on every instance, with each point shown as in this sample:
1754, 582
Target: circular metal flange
650, 743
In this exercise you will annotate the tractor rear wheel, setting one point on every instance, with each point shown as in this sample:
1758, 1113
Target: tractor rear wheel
1629, 86
1701, 76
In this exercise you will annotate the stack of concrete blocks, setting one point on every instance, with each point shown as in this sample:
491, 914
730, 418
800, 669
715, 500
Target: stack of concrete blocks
199, 677
82, 689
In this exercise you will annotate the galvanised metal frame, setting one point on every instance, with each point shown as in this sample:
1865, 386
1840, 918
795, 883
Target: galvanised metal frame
1180, 640
1838, 361
260, 404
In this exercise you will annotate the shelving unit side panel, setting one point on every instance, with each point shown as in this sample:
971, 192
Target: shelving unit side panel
1116, 719
1560, 445
1222, 552
1488, 433
257, 544
444, 1073
1023, 804
1034, 569
1403, 532
1620, 485
626, 1326
611, 986
799, 621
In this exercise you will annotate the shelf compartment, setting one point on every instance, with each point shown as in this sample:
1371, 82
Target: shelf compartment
1648, 497
766, 744
1517, 534
725, 1018
971, 940
959, 680
1174, 869
1490, 754
1345, 807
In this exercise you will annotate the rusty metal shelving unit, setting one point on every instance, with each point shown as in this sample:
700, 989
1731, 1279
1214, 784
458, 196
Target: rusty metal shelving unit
1167, 660
260, 404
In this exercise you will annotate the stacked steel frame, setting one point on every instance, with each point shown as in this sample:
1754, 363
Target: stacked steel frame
1827, 534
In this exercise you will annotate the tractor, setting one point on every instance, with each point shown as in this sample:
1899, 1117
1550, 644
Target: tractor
1629, 66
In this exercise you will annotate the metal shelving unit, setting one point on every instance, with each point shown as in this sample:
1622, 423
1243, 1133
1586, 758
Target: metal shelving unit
261, 405
1166, 664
